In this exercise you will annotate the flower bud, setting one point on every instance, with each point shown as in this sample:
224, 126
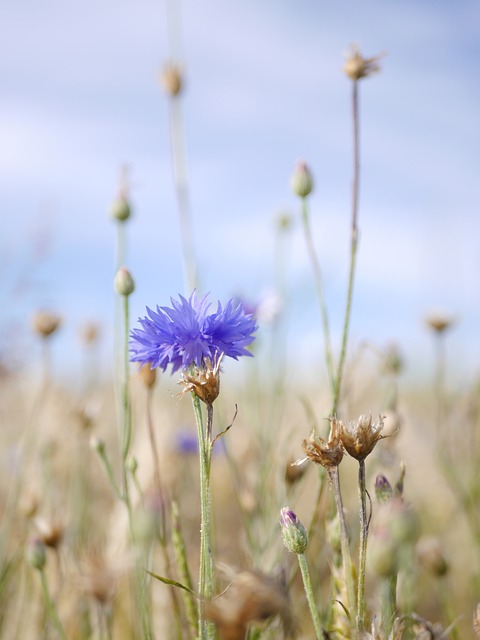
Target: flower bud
123, 283
45, 323
147, 375
120, 208
97, 445
301, 181
295, 536
383, 489
356, 66
36, 554
171, 79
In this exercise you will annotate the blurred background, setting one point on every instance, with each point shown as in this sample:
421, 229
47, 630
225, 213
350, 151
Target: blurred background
263, 87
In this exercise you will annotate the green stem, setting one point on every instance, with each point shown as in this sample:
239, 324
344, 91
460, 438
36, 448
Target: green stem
317, 274
353, 247
302, 561
362, 557
50, 606
205, 580
389, 603
344, 542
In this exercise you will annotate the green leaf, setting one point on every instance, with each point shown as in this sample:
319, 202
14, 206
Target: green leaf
174, 583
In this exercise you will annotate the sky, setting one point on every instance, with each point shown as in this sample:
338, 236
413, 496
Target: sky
263, 88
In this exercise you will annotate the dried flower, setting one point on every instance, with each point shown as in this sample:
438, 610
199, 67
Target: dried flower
328, 454
50, 532
171, 79
123, 283
439, 323
251, 596
147, 375
430, 555
45, 323
187, 334
295, 536
360, 437
356, 66
301, 181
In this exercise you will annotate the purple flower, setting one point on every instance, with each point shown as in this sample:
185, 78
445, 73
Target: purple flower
187, 334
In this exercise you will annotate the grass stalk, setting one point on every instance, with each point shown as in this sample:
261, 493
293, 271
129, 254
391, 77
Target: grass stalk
302, 561
50, 606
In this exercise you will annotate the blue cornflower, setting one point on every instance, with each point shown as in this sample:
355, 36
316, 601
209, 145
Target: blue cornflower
187, 334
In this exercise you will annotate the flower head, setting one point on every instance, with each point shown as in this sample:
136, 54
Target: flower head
360, 436
356, 66
328, 454
187, 334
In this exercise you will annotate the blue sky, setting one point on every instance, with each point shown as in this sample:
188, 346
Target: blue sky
264, 87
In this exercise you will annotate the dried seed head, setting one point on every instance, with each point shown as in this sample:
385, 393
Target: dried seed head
356, 66
89, 333
293, 472
203, 381
147, 375
295, 536
123, 283
328, 454
251, 596
36, 554
97, 579
50, 532
430, 556
439, 323
360, 437
44, 323
301, 181
171, 79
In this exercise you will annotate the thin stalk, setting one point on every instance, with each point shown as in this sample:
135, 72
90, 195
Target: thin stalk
205, 580
302, 561
50, 606
344, 542
389, 603
317, 274
353, 246
362, 557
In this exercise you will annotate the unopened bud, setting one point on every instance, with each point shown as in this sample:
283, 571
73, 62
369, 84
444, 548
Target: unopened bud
383, 489
171, 79
147, 375
36, 554
301, 181
97, 445
123, 283
45, 323
120, 208
295, 536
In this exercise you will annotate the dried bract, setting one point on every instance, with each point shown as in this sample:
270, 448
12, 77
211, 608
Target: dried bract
328, 454
360, 437
356, 66
203, 381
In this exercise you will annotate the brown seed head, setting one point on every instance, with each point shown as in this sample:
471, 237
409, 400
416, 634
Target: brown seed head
328, 454
44, 323
293, 472
439, 323
203, 381
51, 532
430, 555
356, 66
251, 596
360, 437
172, 79
147, 375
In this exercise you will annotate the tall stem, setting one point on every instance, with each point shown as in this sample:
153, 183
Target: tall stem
50, 606
344, 542
302, 561
205, 580
317, 274
363, 546
353, 245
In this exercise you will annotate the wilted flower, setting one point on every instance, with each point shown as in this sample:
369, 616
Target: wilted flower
356, 66
295, 536
360, 437
301, 181
187, 335
328, 454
